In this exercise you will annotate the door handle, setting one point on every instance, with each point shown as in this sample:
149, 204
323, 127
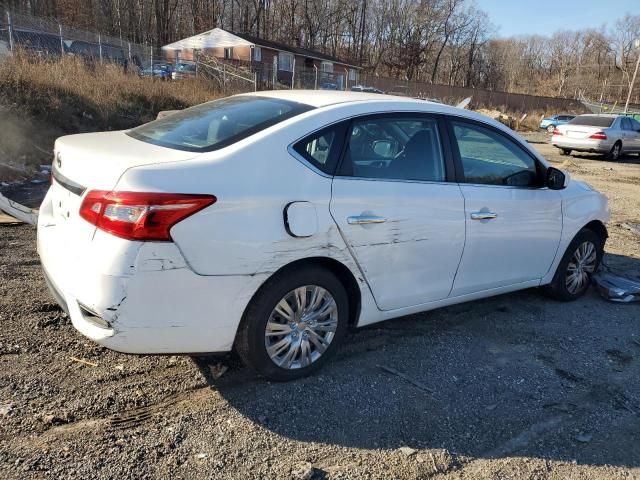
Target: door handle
483, 215
365, 220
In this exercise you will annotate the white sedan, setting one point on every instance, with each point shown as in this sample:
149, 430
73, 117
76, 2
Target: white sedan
611, 135
268, 223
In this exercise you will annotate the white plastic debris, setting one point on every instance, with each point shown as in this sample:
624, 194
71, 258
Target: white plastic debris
18, 211
617, 288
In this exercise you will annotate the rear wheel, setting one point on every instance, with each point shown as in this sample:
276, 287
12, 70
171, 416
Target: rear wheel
565, 151
579, 263
294, 323
615, 152
551, 128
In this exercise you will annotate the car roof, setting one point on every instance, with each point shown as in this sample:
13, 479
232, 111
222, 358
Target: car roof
323, 98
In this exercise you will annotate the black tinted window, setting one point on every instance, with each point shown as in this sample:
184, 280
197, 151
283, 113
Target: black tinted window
593, 121
491, 158
217, 124
402, 148
322, 148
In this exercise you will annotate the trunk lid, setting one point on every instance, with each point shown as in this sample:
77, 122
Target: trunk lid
97, 160
579, 131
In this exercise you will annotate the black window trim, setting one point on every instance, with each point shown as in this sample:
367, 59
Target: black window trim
449, 169
450, 119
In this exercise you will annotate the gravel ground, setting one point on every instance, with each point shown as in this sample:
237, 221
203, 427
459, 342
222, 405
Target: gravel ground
516, 386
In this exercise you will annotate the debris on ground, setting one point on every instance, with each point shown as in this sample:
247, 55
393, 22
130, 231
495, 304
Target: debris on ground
218, 370
407, 378
83, 361
407, 451
617, 288
18, 211
632, 227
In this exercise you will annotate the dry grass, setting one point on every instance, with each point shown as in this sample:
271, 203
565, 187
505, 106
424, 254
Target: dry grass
42, 99
77, 96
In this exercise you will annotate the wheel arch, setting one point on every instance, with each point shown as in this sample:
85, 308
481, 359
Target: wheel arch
339, 269
599, 228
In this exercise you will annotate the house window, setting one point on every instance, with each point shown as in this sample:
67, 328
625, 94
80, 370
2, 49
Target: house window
257, 54
353, 75
285, 61
228, 53
326, 67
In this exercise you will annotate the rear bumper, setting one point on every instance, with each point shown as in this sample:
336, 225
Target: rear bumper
582, 145
147, 299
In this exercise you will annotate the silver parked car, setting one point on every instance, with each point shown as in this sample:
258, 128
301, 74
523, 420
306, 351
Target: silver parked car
611, 135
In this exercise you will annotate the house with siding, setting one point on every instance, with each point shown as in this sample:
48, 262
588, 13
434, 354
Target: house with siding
272, 61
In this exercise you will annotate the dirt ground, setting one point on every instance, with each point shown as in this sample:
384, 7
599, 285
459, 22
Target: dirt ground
516, 386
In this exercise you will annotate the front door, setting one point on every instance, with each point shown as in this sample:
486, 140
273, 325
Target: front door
403, 222
513, 222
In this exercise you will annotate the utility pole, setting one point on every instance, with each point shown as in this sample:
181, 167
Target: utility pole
635, 72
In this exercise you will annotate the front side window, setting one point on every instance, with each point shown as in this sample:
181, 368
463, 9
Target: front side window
217, 124
401, 148
285, 61
490, 158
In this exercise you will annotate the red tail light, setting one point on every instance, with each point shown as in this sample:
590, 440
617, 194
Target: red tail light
139, 215
556, 131
599, 136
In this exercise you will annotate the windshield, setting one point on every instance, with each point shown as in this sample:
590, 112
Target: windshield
217, 124
592, 121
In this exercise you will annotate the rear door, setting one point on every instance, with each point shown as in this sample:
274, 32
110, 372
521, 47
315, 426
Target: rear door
396, 210
513, 222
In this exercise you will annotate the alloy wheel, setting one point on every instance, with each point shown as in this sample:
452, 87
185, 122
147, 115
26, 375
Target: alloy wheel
580, 268
301, 327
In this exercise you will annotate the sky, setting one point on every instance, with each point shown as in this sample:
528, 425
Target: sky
519, 17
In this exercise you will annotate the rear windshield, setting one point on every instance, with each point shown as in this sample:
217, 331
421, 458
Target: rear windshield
592, 121
217, 124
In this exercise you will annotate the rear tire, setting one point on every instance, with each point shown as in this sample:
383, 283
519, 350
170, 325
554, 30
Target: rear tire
551, 128
294, 324
575, 270
616, 152
565, 151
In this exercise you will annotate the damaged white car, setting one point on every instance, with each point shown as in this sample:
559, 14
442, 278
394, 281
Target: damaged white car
271, 222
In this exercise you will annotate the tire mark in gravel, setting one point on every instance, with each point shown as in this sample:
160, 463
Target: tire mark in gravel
129, 418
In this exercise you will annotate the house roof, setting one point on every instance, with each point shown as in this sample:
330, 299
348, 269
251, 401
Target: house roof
218, 37
303, 52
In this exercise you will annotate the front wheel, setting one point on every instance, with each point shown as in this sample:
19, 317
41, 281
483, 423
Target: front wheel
565, 151
579, 263
294, 323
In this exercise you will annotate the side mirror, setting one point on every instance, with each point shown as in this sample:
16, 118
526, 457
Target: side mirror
384, 148
556, 179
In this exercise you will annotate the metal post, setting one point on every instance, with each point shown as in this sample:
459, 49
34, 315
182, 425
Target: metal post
100, 46
255, 81
11, 46
224, 78
151, 56
293, 72
315, 84
346, 79
633, 80
61, 40
129, 43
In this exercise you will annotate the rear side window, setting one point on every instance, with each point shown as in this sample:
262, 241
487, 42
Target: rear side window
393, 147
592, 121
217, 124
490, 158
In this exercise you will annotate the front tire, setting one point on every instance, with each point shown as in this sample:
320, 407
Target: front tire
565, 151
294, 323
575, 270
